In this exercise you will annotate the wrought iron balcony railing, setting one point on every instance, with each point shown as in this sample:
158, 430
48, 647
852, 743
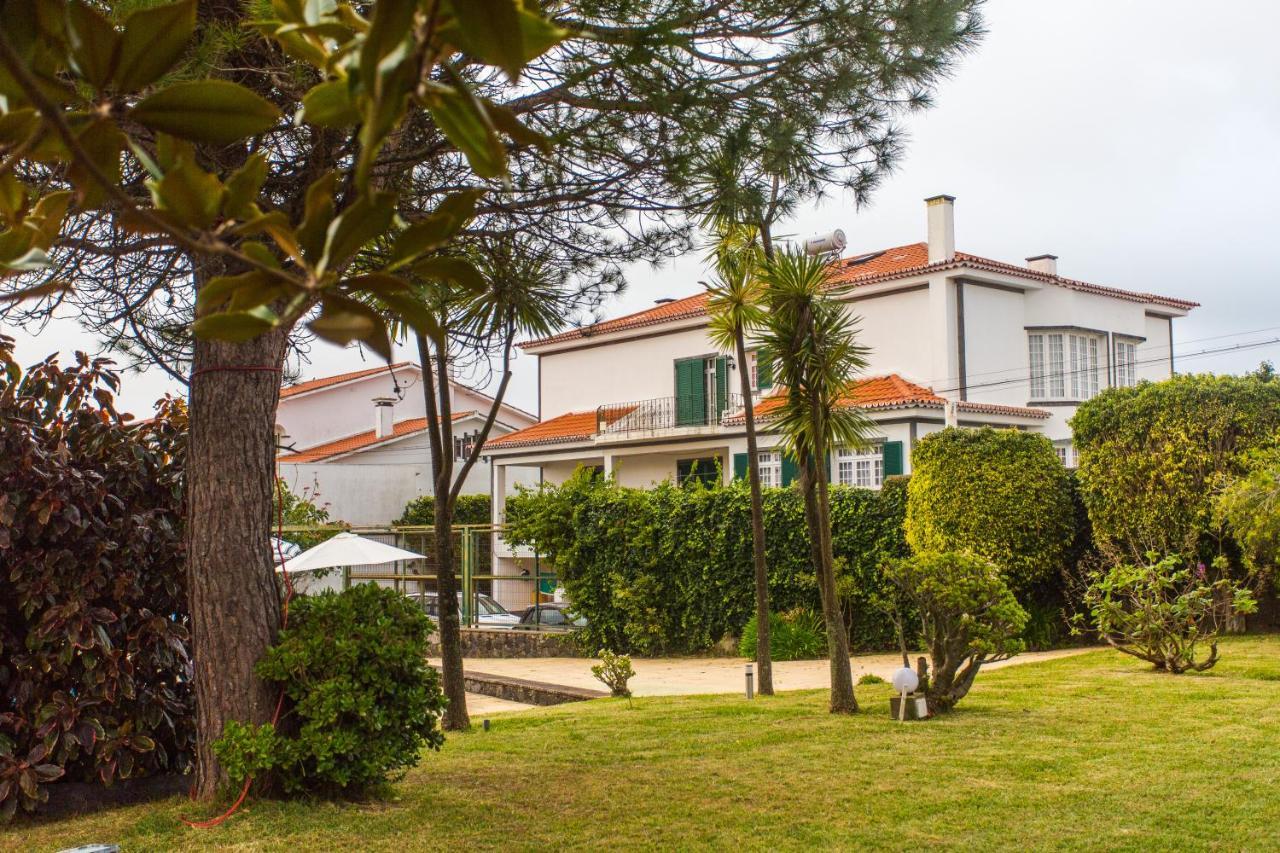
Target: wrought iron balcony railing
664, 413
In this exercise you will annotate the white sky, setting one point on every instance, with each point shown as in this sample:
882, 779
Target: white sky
1137, 140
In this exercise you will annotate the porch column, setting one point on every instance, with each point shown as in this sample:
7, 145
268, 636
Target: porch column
608, 464
499, 492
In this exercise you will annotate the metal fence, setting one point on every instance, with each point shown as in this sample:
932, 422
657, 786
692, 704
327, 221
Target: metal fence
513, 585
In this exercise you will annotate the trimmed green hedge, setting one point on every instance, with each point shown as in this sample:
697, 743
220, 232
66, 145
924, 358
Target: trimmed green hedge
668, 569
470, 509
998, 494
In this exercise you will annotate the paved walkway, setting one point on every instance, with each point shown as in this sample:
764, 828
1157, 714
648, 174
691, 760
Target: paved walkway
691, 676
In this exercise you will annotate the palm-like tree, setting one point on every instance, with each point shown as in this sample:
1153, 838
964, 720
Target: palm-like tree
811, 344
735, 309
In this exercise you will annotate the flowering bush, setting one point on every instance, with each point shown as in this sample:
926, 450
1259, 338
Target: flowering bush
614, 671
1161, 611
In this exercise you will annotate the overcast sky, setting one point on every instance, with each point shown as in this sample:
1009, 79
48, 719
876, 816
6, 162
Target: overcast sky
1138, 140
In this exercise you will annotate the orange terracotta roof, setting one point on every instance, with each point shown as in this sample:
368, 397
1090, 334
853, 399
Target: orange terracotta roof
894, 392
327, 381
571, 426
858, 271
361, 441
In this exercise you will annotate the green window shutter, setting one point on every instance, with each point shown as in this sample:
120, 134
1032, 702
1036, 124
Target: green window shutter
764, 373
789, 470
739, 466
892, 451
691, 396
722, 386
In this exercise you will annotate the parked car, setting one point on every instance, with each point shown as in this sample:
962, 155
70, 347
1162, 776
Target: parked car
489, 613
552, 614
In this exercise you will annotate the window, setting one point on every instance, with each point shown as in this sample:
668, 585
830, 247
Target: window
770, 462
1066, 454
759, 375
1126, 364
706, 469
861, 468
1063, 364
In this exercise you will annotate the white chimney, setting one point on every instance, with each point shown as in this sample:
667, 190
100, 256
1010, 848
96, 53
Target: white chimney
1044, 263
383, 416
942, 228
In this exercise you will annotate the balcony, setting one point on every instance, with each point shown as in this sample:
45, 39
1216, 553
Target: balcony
664, 414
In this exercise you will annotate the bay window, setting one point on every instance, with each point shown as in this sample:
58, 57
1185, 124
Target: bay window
1064, 365
1126, 364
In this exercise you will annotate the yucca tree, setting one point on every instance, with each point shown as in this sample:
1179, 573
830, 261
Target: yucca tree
810, 342
735, 309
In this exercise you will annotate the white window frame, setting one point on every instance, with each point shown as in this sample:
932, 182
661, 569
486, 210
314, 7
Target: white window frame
862, 468
1126, 356
1066, 451
770, 465
1064, 365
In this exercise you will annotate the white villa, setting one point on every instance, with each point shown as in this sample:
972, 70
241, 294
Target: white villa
359, 440
954, 338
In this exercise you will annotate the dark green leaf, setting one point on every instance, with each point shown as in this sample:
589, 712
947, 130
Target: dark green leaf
104, 144
490, 31
190, 195
95, 44
329, 105
437, 228
243, 187
460, 271
317, 213
539, 34
391, 24
216, 291
343, 320
505, 120
154, 39
413, 311
462, 120
369, 217
235, 327
216, 111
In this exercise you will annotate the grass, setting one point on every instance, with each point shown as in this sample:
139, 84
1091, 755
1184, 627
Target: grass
1092, 751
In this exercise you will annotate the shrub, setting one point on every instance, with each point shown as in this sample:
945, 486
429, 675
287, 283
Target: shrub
1160, 611
794, 635
94, 682
1000, 494
668, 570
468, 509
1153, 457
291, 509
614, 671
968, 617
1250, 509
362, 702
871, 678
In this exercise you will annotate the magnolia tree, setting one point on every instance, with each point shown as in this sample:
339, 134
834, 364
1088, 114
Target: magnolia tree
125, 138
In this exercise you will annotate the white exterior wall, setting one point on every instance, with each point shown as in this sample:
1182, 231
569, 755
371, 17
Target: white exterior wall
360, 494
1153, 353
890, 325
636, 369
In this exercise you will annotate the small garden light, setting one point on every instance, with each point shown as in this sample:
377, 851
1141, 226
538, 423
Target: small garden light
905, 681
751, 692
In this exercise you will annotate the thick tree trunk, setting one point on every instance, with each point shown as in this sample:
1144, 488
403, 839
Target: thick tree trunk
235, 603
764, 658
435, 387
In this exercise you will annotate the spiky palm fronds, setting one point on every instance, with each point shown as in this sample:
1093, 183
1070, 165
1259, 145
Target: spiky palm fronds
810, 342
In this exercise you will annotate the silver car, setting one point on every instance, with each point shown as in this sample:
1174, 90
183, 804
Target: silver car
489, 613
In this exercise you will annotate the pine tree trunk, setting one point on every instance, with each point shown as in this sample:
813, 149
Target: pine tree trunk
764, 658
235, 602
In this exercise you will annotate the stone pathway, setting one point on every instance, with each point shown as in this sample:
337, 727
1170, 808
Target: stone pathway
692, 676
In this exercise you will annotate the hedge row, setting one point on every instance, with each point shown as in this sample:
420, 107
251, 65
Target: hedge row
668, 570
469, 509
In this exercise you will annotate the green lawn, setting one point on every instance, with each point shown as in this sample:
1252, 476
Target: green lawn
1091, 751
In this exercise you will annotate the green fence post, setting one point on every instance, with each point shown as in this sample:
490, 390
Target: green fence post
467, 571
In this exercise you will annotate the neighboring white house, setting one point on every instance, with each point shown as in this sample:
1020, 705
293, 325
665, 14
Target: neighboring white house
358, 440
954, 338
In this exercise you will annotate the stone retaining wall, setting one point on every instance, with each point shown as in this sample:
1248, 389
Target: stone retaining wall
528, 692
488, 643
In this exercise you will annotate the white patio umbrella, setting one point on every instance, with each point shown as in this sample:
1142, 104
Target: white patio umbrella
347, 549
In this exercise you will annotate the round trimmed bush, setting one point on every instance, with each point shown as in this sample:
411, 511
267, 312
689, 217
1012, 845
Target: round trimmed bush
998, 494
362, 702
